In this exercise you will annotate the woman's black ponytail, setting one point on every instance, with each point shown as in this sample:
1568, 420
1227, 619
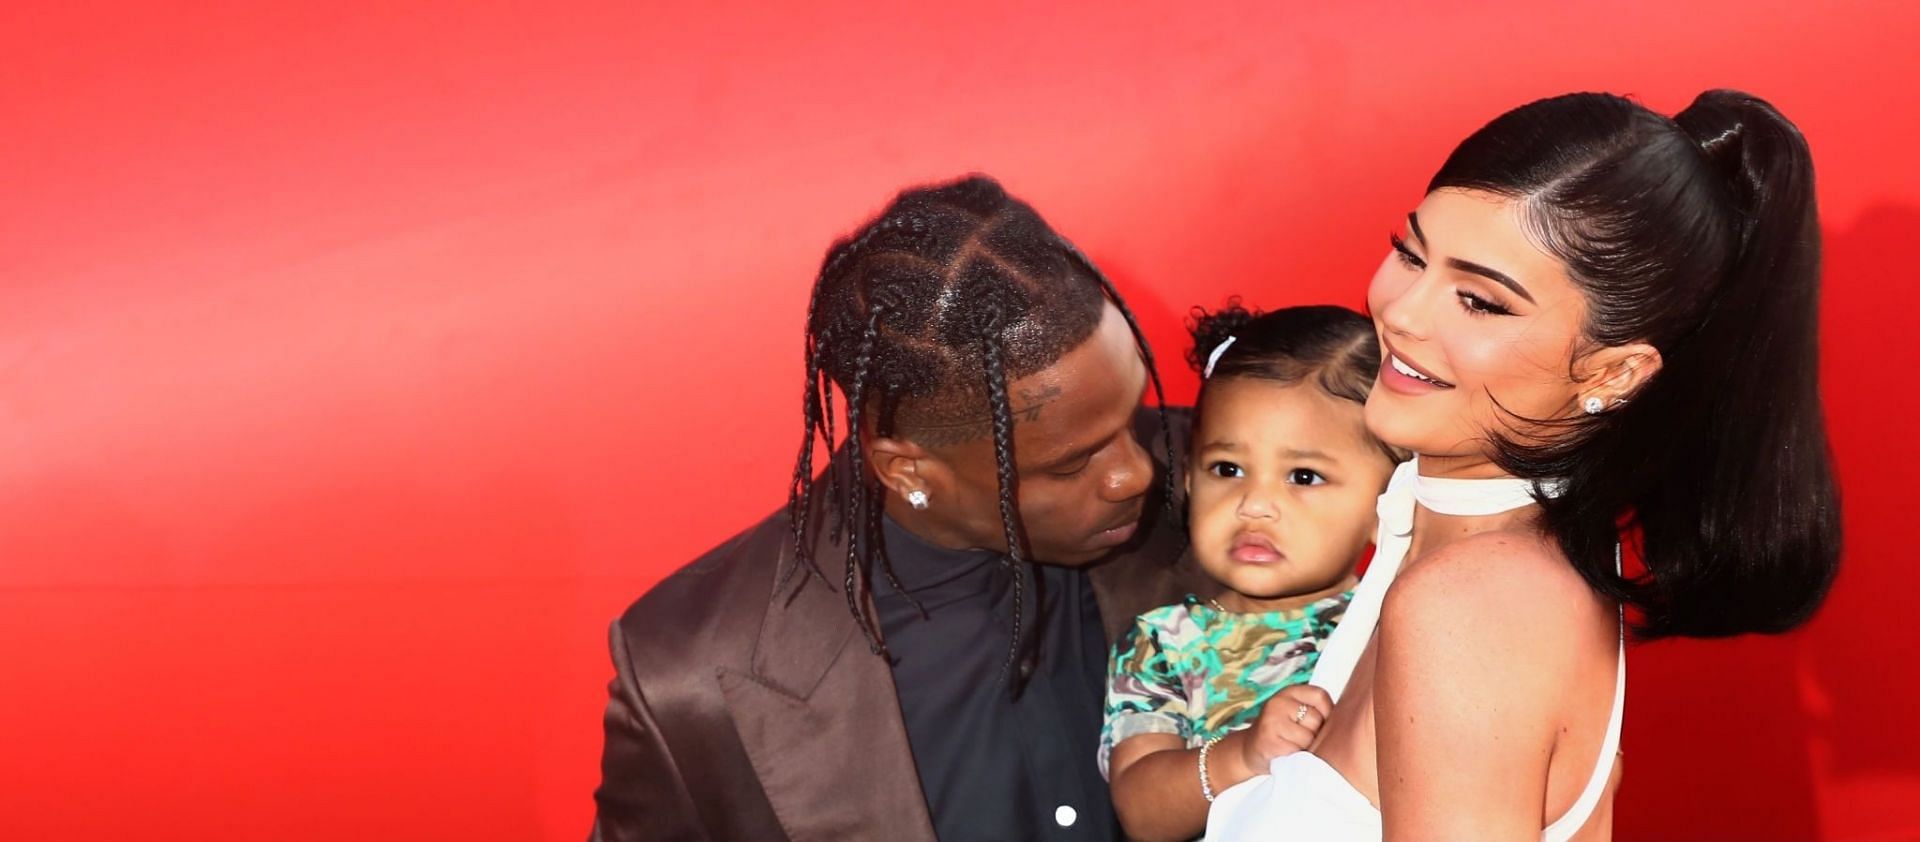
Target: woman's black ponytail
1752, 541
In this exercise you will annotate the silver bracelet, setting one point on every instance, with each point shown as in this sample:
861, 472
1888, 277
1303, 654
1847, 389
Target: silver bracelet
1206, 786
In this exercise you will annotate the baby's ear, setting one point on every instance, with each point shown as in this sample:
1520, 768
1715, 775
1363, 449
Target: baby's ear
1186, 474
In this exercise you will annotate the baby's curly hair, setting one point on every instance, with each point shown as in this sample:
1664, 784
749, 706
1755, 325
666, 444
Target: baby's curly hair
1289, 345
1333, 345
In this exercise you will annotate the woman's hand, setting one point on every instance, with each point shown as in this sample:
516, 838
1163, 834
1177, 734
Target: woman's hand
1286, 724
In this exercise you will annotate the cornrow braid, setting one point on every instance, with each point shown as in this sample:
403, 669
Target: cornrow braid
800, 492
826, 398
853, 513
1009, 510
817, 410
880, 304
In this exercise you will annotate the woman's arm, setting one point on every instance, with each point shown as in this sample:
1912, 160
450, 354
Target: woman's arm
1475, 645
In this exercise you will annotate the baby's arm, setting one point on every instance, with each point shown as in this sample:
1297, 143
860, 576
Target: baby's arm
1156, 778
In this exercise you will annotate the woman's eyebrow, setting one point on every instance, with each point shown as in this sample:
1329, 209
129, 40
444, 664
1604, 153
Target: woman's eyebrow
1494, 275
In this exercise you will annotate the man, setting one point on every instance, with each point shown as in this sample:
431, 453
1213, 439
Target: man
881, 661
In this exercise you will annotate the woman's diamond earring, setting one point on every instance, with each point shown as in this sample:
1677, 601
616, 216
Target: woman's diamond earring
1594, 405
917, 499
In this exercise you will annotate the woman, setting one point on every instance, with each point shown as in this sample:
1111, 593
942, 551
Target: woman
1597, 317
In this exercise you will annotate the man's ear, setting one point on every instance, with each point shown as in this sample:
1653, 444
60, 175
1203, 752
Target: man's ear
1615, 374
903, 466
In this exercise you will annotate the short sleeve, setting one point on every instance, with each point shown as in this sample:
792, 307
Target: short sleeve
1145, 694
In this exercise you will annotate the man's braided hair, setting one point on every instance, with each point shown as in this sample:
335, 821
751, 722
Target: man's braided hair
951, 293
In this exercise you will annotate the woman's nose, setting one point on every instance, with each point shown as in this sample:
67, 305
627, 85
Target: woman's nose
1403, 303
1404, 314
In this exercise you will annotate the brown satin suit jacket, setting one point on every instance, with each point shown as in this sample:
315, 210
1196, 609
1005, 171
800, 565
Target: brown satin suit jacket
740, 713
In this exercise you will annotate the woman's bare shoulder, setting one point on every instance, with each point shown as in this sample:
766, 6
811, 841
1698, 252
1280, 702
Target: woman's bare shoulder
1506, 592
1508, 573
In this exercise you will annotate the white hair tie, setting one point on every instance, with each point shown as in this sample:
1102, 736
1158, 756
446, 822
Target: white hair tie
1214, 358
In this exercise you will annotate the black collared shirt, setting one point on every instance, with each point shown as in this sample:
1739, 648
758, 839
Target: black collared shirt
993, 766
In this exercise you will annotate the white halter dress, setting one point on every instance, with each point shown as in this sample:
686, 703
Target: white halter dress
1303, 798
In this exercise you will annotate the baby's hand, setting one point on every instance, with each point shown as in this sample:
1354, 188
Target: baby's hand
1286, 725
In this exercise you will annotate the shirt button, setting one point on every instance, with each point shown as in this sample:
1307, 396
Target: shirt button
1065, 816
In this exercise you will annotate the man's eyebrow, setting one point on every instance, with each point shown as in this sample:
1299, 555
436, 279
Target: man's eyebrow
1494, 275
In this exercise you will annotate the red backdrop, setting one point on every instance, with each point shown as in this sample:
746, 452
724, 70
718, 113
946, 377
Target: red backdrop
357, 368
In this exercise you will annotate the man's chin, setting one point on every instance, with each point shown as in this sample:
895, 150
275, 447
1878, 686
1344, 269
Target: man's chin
1082, 557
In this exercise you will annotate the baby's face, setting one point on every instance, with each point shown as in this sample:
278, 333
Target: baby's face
1281, 488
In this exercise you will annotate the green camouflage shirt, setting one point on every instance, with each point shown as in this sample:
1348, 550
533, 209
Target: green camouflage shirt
1197, 672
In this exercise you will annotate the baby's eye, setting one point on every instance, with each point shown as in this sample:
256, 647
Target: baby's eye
1305, 476
1228, 470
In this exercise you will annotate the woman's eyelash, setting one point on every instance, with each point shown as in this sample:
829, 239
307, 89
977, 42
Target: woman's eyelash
1474, 304
1477, 306
1406, 255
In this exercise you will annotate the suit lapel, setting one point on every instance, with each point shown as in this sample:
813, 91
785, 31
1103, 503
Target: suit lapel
821, 722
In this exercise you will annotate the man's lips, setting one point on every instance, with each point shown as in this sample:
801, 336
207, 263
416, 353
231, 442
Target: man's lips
1116, 536
1119, 533
1253, 548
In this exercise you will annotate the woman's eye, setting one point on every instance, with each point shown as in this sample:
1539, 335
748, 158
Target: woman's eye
1481, 306
1406, 255
1225, 469
1305, 476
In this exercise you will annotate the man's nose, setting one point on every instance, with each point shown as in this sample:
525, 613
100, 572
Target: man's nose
1132, 473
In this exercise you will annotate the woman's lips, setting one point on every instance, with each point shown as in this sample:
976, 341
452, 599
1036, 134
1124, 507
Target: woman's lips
1402, 377
1250, 548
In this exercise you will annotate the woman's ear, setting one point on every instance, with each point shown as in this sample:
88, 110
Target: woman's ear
1615, 374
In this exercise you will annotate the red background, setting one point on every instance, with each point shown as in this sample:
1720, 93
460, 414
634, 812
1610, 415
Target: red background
357, 368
